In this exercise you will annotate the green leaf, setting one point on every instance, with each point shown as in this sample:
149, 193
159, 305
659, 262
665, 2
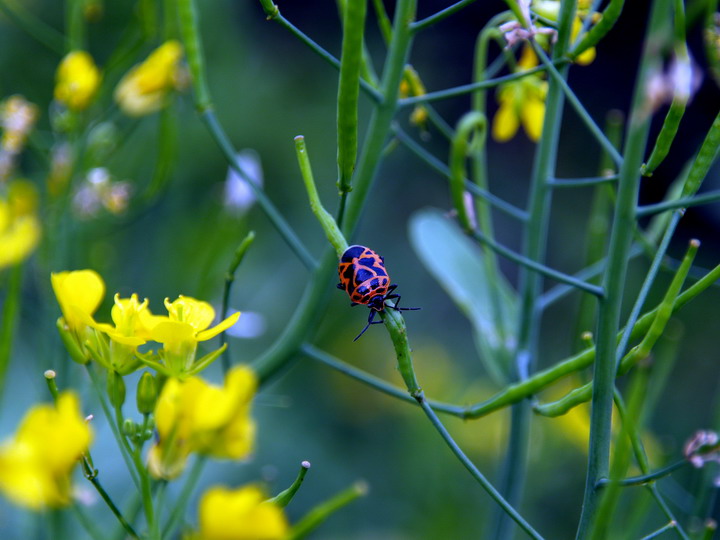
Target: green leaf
459, 266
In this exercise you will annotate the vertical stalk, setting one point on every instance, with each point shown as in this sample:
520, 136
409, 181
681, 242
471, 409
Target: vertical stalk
614, 281
515, 466
10, 310
307, 313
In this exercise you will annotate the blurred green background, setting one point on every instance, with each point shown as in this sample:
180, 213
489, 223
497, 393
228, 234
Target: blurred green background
268, 88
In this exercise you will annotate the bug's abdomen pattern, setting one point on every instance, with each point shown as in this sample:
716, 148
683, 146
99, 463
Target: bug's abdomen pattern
362, 274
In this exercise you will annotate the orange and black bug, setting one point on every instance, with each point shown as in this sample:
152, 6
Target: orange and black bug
364, 277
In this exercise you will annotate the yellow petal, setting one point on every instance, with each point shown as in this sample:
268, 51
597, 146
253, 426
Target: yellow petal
533, 113
215, 330
587, 57
528, 58
197, 313
77, 80
79, 294
505, 123
18, 238
35, 466
169, 331
240, 514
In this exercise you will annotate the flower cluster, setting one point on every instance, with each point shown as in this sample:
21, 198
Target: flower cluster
115, 346
521, 101
193, 416
36, 464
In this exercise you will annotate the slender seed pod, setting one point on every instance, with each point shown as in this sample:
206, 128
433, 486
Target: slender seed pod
349, 90
604, 25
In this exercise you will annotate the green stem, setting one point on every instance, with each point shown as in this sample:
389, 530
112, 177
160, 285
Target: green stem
475, 472
113, 508
519, 391
87, 523
34, 27
270, 210
371, 91
646, 478
10, 310
315, 517
580, 110
444, 170
582, 182
661, 530
647, 283
587, 274
685, 202
332, 231
284, 497
115, 428
472, 87
440, 15
189, 28
75, 25
182, 501
229, 280
375, 382
473, 124
530, 283
609, 309
537, 267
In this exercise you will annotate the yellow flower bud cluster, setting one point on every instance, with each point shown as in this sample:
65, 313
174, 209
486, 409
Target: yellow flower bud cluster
77, 81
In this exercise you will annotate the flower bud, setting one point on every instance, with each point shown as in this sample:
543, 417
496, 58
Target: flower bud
146, 393
116, 389
129, 428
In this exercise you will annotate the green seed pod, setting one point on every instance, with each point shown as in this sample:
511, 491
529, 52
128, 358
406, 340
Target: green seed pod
146, 393
115, 389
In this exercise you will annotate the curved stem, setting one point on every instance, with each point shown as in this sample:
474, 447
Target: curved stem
645, 478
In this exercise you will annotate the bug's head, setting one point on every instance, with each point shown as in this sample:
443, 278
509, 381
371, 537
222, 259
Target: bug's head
377, 303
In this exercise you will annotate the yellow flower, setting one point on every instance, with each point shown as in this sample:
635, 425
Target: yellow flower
241, 514
77, 80
79, 294
36, 464
194, 416
19, 225
186, 325
133, 323
144, 88
522, 100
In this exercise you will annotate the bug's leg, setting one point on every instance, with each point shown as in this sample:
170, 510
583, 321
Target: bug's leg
353, 304
340, 286
370, 321
391, 296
